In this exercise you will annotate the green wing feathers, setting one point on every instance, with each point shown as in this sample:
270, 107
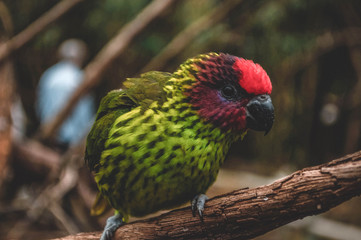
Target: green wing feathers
148, 88
139, 92
114, 104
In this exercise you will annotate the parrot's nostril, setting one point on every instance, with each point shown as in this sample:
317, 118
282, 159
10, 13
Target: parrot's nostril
263, 97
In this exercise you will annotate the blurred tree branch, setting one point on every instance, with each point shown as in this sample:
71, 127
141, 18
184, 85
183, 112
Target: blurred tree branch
95, 69
323, 44
185, 37
18, 41
247, 213
62, 176
36, 158
7, 92
7, 96
353, 98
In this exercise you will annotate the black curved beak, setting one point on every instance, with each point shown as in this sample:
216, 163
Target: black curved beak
260, 113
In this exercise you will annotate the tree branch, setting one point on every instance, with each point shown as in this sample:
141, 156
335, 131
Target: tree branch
94, 70
247, 213
62, 177
7, 96
36, 27
185, 37
323, 44
36, 158
7, 92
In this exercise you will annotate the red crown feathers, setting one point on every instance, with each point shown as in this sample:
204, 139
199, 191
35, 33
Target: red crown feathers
254, 78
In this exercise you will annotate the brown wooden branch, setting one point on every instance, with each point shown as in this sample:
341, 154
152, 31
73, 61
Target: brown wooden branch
36, 158
95, 70
7, 97
247, 213
7, 92
18, 41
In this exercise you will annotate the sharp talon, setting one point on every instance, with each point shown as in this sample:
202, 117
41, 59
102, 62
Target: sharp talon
194, 204
113, 223
198, 205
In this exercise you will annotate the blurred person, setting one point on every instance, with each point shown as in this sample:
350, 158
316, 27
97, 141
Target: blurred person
56, 86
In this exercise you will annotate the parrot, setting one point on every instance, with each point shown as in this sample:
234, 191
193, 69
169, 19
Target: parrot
160, 141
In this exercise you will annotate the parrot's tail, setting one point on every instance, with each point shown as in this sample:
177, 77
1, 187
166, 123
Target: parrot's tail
100, 206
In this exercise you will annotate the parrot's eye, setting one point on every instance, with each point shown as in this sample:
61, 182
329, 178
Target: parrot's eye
229, 92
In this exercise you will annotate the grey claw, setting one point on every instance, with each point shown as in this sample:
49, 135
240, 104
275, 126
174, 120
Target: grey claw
113, 223
198, 205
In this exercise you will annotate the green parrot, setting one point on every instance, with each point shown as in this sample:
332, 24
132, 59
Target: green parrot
161, 141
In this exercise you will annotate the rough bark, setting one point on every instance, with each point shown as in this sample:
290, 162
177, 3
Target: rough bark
247, 213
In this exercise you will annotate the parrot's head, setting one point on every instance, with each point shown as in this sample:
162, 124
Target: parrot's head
231, 92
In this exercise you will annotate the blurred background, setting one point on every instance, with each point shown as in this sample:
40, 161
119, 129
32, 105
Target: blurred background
310, 49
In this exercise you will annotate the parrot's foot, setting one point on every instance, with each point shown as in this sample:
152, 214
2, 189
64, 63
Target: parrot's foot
198, 205
113, 223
